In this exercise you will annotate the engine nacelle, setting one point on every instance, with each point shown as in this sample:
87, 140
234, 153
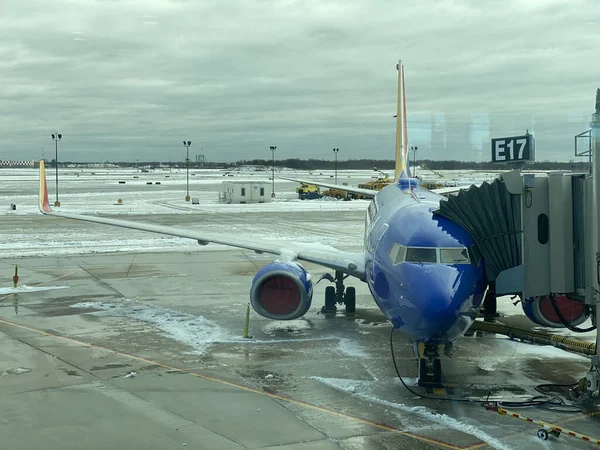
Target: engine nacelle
281, 291
540, 311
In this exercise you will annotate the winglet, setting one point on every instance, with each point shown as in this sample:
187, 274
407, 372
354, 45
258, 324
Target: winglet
43, 198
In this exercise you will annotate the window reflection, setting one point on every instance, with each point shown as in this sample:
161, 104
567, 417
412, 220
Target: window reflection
454, 256
397, 254
421, 255
431, 255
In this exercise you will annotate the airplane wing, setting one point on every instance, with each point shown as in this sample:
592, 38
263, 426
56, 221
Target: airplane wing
370, 192
453, 189
449, 190
324, 255
354, 190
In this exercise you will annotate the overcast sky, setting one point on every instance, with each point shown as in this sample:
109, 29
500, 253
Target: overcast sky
131, 79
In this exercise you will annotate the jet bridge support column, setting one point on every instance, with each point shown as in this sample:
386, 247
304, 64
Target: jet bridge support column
593, 376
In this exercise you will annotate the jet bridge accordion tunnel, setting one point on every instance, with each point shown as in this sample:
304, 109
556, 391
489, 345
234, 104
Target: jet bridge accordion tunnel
532, 232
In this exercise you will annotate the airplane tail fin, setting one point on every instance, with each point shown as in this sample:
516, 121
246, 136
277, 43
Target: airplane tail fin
402, 169
43, 197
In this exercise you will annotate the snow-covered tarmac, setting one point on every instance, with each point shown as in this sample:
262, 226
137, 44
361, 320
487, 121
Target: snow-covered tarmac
104, 320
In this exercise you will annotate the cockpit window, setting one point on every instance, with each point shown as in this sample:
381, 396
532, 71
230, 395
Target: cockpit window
475, 255
431, 255
454, 256
421, 255
397, 254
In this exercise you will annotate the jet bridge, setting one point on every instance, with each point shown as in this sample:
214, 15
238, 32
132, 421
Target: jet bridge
529, 230
492, 216
539, 237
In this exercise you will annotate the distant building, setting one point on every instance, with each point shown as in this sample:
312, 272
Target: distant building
245, 192
19, 164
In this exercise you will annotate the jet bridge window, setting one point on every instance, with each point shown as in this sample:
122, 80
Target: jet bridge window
454, 256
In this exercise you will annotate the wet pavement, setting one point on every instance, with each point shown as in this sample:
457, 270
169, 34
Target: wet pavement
145, 350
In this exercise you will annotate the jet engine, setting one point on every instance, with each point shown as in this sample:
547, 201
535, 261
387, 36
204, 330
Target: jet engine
541, 311
281, 291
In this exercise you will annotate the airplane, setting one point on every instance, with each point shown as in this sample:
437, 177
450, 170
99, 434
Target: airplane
423, 270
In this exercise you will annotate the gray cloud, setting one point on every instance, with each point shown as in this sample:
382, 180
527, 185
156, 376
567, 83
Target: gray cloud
127, 80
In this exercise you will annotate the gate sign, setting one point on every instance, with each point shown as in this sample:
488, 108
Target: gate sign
513, 149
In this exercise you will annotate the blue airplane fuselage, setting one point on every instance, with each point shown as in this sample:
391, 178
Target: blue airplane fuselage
430, 300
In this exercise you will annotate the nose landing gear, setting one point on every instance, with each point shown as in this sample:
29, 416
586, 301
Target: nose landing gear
430, 367
338, 294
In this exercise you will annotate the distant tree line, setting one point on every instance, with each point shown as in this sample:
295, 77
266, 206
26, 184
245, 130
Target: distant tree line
325, 164
352, 164
488, 165
385, 164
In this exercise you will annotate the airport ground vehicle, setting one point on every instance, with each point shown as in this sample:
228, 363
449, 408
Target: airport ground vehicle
308, 192
374, 185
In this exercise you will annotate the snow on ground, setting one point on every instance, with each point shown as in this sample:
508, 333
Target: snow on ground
98, 239
286, 325
506, 351
365, 393
169, 202
195, 331
92, 243
352, 348
96, 191
25, 288
16, 371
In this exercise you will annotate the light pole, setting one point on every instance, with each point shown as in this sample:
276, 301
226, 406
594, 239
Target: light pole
56, 137
273, 148
187, 169
380, 171
335, 152
414, 149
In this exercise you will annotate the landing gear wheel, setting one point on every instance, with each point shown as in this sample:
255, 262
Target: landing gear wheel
490, 304
338, 294
350, 299
437, 371
423, 375
430, 367
542, 434
329, 300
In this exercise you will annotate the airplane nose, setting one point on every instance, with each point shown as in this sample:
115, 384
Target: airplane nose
430, 297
